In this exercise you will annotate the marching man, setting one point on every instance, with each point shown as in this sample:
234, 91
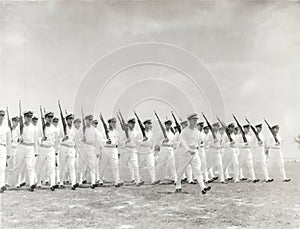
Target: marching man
5, 148
275, 154
146, 152
90, 139
191, 141
48, 151
67, 153
129, 154
259, 155
166, 158
110, 153
27, 150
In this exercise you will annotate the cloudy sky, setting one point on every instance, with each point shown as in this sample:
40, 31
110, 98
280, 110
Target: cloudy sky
217, 57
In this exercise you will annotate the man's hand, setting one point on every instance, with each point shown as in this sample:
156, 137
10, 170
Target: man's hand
191, 152
166, 140
232, 143
65, 138
7, 157
260, 143
128, 141
83, 139
108, 142
145, 139
20, 139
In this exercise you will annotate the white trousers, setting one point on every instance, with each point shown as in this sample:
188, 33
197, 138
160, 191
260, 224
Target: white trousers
230, 158
88, 163
148, 160
3, 153
11, 162
259, 157
109, 156
214, 159
275, 155
67, 164
24, 155
186, 159
46, 159
129, 159
166, 160
245, 157
202, 155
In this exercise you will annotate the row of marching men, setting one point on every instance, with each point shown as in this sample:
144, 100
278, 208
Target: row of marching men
195, 150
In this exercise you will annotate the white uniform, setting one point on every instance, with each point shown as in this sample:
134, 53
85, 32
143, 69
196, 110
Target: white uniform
214, 156
26, 152
5, 147
166, 158
230, 157
110, 155
191, 140
78, 158
12, 159
129, 154
88, 152
275, 155
245, 154
67, 156
146, 155
202, 154
47, 153
259, 155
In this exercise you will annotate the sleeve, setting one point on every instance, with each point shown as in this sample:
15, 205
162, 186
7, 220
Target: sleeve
8, 142
183, 141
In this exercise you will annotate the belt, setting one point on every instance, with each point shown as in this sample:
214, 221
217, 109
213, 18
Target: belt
167, 146
68, 146
194, 147
46, 146
89, 144
111, 146
27, 144
1, 144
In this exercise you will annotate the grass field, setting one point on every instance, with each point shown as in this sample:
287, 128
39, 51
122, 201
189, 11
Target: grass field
261, 205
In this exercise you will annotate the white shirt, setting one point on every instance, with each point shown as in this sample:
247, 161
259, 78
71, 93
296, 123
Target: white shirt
191, 139
30, 134
135, 140
147, 146
171, 138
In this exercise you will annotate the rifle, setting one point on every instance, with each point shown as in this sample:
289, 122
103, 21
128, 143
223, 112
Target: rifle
141, 125
241, 128
62, 119
124, 125
43, 122
272, 132
21, 119
83, 123
176, 123
105, 127
209, 126
226, 130
161, 126
254, 130
8, 121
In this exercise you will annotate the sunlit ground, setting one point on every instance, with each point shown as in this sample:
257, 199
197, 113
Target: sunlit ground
261, 205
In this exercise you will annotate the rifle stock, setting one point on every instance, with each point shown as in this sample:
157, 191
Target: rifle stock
21, 119
43, 122
272, 132
62, 119
124, 125
254, 130
176, 123
105, 127
141, 125
161, 126
226, 130
9, 121
83, 123
209, 126
241, 129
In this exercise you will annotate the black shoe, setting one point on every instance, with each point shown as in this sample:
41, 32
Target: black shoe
223, 182
269, 180
215, 178
244, 178
193, 182
207, 188
62, 186
178, 190
31, 188
119, 185
3, 189
156, 182
203, 191
286, 180
39, 186
141, 182
132, 182
84, 182
230, 178
100, 184
47, 183
22, 184
93, 186
73, 187
255, 180
76, 185
52, 188
55, 186
210, 181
